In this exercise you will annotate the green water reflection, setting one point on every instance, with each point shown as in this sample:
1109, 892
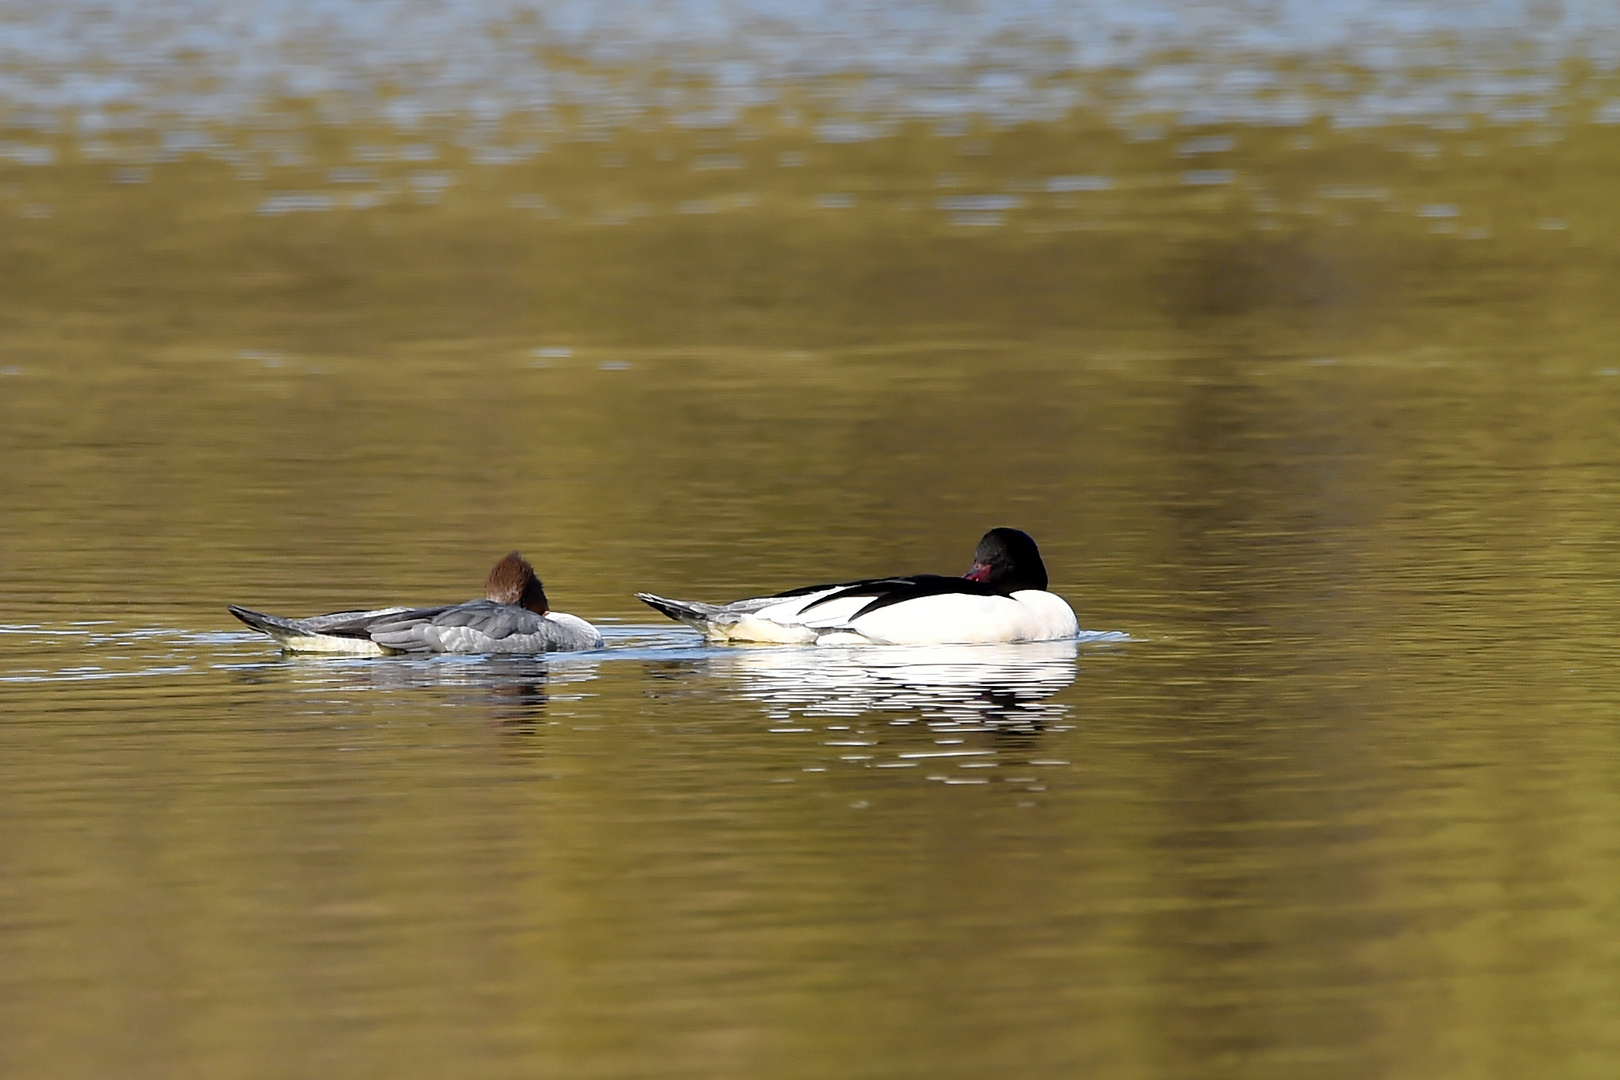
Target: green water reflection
1332, 439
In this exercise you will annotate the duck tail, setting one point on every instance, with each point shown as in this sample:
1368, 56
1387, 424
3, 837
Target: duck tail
689, 612
345, 632
277, 628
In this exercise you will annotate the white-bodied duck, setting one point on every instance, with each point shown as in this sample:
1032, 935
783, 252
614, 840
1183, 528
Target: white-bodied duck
512, 618
1002, 599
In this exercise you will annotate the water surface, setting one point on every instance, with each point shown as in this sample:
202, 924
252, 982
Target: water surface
1293, 345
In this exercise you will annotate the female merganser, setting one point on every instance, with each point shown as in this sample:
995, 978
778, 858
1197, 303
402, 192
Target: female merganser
1003, 598
512, 618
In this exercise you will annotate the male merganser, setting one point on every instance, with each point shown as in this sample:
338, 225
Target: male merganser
1003, 598
512, 618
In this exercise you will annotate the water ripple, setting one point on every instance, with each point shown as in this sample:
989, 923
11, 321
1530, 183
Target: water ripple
703, 63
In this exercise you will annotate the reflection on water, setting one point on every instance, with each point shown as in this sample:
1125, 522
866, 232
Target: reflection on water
404, 674
997, 686
989, 684
510, 690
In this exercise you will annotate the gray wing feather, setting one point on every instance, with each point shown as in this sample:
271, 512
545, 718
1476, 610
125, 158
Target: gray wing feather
478, 626
696, 613
353, 621
349, 623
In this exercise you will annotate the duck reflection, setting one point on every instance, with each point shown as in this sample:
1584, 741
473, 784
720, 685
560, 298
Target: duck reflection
1004, 686
515, 690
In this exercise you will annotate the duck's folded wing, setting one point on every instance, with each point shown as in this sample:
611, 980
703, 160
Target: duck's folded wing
351, 623
348, 623
884, 592
480, 626
339, 632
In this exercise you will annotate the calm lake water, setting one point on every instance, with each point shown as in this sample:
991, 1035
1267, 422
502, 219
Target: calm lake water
1291, 339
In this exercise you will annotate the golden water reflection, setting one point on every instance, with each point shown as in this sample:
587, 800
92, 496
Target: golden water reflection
1315, 422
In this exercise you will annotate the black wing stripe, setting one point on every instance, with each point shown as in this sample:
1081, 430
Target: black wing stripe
899, 590
869, 587
974, 589
808, 589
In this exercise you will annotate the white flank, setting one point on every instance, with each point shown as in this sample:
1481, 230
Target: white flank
958, 618
950, 618
761, 627
330, 644
580, 634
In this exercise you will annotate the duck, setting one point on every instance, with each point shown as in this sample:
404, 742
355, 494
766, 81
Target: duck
1001, 599
512, 618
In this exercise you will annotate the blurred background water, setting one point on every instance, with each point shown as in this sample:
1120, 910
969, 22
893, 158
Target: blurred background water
1287, 329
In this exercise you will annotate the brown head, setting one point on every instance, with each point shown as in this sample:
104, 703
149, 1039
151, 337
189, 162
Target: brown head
513, 582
